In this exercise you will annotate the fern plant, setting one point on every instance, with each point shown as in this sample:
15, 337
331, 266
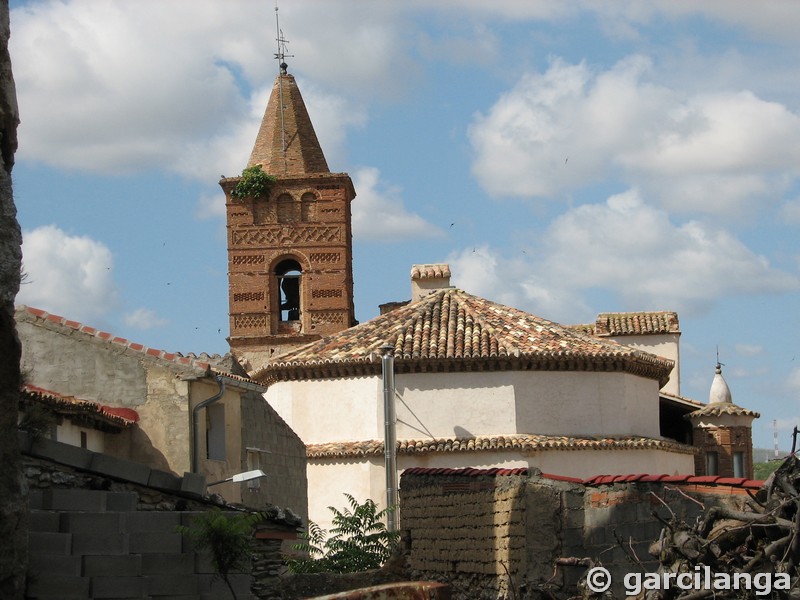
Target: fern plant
359, 541
226, 537
254, 183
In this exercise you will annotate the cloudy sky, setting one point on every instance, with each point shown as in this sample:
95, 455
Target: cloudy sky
564, 158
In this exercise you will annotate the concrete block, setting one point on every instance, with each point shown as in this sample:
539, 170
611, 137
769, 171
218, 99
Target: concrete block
51, 564
155, 543
35, 499
25, 441
46, 543
194, 483
175, 585
124, 565
214, 587
122, 501
118, 587
164, 481
152, 521
59, 452
120, 468
74, 500
44, 521
203, 563
79, 522
59, 587
99, 543
164, 564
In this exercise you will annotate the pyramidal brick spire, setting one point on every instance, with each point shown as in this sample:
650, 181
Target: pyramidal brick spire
286, 144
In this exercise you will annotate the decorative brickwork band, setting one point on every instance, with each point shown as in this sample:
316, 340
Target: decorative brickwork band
325, 257
319, 318
248, 259
295, 235
250, 322
326, 293
248, 297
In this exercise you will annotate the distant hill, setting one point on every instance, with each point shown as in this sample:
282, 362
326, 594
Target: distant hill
761, 455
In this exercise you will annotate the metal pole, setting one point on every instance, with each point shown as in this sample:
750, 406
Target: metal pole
390, 435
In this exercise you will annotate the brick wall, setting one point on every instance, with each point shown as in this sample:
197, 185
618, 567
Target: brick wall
465, 527
725, 441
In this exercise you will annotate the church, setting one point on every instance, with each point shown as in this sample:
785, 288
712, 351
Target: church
478, 384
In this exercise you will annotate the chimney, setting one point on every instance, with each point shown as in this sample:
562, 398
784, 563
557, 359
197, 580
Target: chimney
427, 279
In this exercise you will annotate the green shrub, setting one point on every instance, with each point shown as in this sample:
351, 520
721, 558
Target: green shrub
359, 541
254, 183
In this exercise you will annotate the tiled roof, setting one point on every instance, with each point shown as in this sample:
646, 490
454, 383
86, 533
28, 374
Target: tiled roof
718, 409
205, 363
512, 442
27, 313
591, 481
451, 330
435, 271
636, 323
70, 405
681, 400
286, 143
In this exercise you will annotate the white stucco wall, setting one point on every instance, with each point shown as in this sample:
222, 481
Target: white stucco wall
330, 410
664, 345
470, 404
575, 403
69, 433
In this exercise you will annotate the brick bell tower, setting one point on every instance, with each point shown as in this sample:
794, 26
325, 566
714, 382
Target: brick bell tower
290, 257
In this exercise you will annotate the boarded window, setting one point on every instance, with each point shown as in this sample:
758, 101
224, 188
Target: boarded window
285, 206
215, 432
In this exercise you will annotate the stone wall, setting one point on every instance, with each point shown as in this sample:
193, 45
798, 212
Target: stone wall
13, 516
496, 533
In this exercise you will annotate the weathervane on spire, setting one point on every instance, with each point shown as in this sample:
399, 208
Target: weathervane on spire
281, 55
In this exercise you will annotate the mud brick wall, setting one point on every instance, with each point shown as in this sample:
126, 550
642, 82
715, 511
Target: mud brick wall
466, 530
497, 533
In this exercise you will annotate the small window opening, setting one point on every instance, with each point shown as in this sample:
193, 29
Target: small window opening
84, 440
215, 432
738, 464
712, 463
288, 274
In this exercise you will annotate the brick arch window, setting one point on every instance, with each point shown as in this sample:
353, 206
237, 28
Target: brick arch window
288, 274
285, 208
308, 207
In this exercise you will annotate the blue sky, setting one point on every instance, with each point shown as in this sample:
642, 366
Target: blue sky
564, 158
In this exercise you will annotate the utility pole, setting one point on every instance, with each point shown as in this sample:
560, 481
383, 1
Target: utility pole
390, 435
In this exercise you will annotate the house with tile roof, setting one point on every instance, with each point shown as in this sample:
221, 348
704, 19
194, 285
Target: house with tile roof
478, 384
72, 420
167, 411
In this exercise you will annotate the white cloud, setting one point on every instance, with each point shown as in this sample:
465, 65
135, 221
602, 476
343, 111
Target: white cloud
144, 318
749, 349
571, 127
629, 250
379, 213
67, 275
103, 90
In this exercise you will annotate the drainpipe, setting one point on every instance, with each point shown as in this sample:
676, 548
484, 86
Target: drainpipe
196, 422
390, 434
